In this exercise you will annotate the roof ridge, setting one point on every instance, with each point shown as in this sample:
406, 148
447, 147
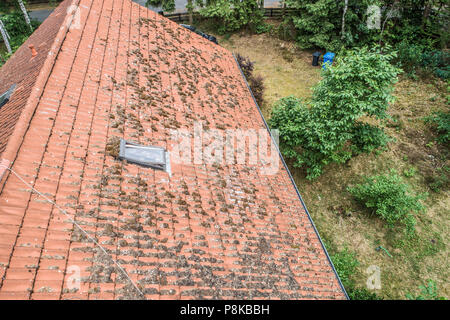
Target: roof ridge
16, 138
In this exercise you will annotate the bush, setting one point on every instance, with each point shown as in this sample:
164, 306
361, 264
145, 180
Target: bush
389, 198
441, 121
256, 83
427, 292
367, 138
358, 84
346, 264
232, 15
247, 66
415, 58
362, 294
18, 29
439, 180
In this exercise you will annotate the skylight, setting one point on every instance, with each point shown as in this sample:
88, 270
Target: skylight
147, 156
4, 98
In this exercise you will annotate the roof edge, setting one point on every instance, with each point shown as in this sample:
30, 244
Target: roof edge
293, 182
22, 125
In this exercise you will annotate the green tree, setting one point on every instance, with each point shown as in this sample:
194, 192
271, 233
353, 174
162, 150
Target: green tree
322, 23
232, 15
166, 5
335, 24
329, 128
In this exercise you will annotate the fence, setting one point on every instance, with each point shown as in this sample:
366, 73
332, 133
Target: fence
268, 12
42, 1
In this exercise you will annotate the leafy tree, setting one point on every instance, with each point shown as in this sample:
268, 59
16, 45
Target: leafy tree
166, 5
320, 23
232, 15
17, 28
358, 86
335, 24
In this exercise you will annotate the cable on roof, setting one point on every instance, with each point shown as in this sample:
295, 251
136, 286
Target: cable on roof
79, 227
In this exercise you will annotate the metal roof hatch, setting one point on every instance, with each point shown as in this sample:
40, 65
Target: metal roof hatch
4, 98
147, 156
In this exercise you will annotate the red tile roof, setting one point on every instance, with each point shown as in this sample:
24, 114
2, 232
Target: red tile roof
23, 70
207, 230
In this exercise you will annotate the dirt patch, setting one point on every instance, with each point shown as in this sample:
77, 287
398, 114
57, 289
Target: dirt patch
286, 69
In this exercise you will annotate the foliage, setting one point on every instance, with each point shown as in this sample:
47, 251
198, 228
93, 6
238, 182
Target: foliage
346, 265
263, 28
439, 180
255, 82
246, 65
17, 29
441, 121
362, 294
232, 15
366, 138
415, 58
422, 22
409, 172
427, 292
166, 5
358, 85
388, 197
6, 6
319, 23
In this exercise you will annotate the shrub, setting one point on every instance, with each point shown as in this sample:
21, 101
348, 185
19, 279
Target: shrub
18, 30
262, 28
427, 292
359, 84
256, 83
247, 66
362, 294
389, 198
232, 15
439, 180
16, 25
346, 264
441, 121
367, 138
415, 58
166, 5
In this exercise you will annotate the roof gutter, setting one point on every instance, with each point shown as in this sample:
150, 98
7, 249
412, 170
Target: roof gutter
292, 180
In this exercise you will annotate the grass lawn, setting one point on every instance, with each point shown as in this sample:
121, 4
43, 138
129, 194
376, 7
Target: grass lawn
340, 221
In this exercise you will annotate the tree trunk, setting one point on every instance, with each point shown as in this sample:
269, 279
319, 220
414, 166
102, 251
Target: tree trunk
343, 19
388, 16
190, 8
5, 36
25, 14
426, 13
